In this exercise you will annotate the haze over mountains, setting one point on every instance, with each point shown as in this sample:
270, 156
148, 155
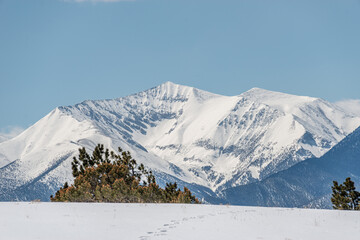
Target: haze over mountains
208, 141
10, 133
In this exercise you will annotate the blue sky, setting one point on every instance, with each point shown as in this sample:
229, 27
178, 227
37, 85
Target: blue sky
57, 52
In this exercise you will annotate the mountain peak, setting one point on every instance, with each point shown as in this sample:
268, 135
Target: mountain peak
257, 89
260, 92
170, 90
276, 99
169, 83
171, 87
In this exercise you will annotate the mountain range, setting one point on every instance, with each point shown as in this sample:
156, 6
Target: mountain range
216, 145
308, 183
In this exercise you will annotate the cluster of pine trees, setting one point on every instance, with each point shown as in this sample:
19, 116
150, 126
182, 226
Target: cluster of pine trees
109, 177
345, 196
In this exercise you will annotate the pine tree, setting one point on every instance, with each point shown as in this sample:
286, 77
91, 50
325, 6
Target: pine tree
171, 192
344, 196
109, 177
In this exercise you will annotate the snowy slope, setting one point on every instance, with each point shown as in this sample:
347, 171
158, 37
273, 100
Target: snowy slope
172, 221
43, 153
197, 137
350, 106
307, 183
217, 140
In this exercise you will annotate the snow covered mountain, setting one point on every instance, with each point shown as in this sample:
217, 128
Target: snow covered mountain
306, 184
210, 141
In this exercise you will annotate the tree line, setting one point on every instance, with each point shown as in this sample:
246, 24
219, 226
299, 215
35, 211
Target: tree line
106, 176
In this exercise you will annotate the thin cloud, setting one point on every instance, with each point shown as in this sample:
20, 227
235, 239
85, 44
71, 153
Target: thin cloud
10, 132
350, 106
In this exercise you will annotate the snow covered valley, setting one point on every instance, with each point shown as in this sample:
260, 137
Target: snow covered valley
38, 220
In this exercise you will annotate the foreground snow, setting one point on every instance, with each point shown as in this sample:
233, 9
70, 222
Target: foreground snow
172, 221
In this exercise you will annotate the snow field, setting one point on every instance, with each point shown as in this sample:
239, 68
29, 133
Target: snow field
86, 221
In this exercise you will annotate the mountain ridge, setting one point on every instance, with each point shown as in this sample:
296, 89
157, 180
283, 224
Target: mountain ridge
198, 137
306, 184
